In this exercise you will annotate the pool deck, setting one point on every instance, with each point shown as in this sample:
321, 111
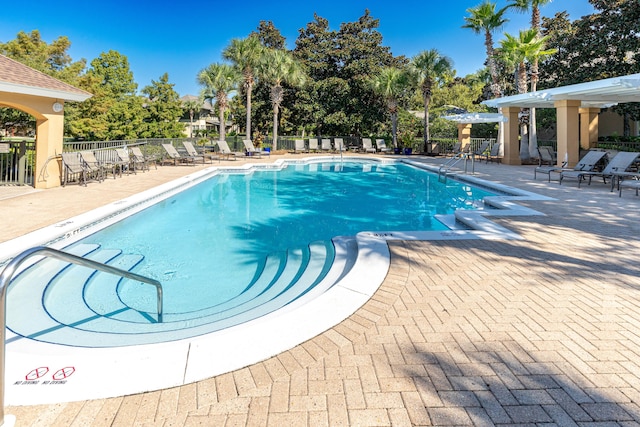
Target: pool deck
539, 331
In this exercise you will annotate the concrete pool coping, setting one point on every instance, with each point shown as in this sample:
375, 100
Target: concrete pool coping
198, 358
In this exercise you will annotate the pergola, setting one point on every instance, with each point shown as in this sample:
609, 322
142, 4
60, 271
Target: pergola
466, 120
42, 96
577, 107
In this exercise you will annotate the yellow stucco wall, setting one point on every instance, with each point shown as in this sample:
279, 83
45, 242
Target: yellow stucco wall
568, 131
49, 134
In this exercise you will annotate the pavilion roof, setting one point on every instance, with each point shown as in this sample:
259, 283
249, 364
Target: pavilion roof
16, 77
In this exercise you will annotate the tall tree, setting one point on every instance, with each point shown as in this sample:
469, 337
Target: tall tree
115, 111
485, 19
430, 68
340, 64
524, 6
218, 80
278, 67
390, 83
601, 45
163, 110
521, 50
246, 55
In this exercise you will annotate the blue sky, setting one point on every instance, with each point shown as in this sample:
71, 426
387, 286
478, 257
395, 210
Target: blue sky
181, 38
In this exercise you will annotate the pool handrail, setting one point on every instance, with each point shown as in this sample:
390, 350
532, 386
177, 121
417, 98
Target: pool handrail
12, 266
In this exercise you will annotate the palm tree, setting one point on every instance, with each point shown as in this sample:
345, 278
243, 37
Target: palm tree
519, 51
246, 55
430, 68
524, 6
485, 19
218, 81
191, 106
391, 83
276, 68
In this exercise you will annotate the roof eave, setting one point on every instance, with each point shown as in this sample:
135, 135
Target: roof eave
44, 92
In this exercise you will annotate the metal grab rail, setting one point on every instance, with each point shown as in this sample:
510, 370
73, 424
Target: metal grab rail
12, 266
443, 170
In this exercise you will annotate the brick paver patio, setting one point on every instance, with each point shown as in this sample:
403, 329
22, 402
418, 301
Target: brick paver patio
541, 331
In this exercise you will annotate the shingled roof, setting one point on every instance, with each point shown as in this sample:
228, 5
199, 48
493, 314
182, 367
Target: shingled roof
19, 78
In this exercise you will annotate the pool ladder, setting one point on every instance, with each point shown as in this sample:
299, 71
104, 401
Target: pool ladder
12, 266
444, 169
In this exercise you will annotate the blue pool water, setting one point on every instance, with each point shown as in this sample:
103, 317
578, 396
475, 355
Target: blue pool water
210, 244
211, 238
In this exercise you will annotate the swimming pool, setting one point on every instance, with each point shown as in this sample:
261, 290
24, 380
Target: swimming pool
236, 246
359, 266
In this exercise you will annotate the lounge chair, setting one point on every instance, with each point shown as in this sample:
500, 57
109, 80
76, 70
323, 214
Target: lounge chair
586, 164
313, 144
298, 146
325, 145
367, 146
338, 144
547, 156
191, 150
481, 151
123, 161
616, 169
252, 150
140, 159
634, 184
94, 167
494, 154
381, 145
73, 168
175, 157
226, 152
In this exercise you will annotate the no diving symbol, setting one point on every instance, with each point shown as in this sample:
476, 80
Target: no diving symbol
63, 373
36, 373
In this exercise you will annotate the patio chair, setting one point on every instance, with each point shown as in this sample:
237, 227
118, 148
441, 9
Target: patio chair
298, 146
367, 146
325, 144
494, 154
546, 155
175, 157
191, 151
616, 169
338, 144
481, 151
225, 151
139, 159
124, 160
73, 168
634, 184
313, 145
252, 150
381, 145
95, 169
586, 164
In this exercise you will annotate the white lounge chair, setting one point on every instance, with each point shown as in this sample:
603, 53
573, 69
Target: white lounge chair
299, 146
326, 145
175, 157
252, 150
140, 159
381, 145
367, 146
313, 144
225, 151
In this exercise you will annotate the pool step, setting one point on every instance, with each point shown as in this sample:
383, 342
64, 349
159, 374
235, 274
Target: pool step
101, 319
27, 291
91, 293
